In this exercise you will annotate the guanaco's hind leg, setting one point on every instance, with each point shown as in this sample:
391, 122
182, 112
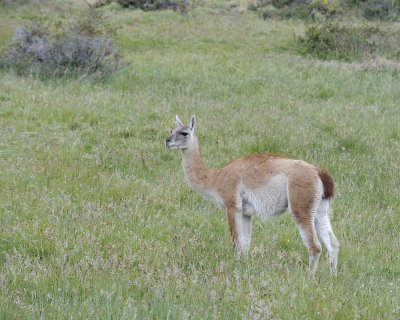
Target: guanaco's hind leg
324, 230
310, 240
243, 226
304, 199
246, 237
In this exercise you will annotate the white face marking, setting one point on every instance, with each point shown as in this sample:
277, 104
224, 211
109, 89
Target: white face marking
180, 138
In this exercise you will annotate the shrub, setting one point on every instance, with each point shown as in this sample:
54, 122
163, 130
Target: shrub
17, 3
333, 41
97, 3
381, 9
327, 7
295, 8
148, 5
370, 9
83, 48
12, 2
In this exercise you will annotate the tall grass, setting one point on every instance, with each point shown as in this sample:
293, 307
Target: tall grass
98, 222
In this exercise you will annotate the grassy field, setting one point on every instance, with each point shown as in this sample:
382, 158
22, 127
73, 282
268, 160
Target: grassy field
97, 221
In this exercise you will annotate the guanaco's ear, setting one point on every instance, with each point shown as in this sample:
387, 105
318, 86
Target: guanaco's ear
178, 121
192, 123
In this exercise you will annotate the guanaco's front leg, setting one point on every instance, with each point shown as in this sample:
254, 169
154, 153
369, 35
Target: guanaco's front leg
231, 211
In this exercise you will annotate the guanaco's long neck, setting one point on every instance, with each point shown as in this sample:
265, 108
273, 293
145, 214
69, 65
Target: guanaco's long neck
196, 173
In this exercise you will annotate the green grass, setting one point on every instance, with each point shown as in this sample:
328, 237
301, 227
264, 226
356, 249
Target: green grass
98, 222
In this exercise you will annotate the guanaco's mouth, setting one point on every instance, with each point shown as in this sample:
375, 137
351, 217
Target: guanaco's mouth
170, 145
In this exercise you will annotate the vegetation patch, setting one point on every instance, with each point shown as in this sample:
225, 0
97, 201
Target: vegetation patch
330, 40
149, 5
380, 9
83, 47
314, 9
13, 2
295, 8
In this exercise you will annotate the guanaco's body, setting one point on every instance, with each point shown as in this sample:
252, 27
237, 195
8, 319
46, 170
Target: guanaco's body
264, 186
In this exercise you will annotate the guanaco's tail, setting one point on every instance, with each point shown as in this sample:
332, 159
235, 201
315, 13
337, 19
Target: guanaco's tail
328, 184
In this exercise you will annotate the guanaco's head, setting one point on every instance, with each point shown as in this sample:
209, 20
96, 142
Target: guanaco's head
182, 136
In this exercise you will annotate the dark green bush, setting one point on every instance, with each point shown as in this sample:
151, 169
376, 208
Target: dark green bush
13, 2
98, 3
333, 41
278, 8
295, 8
380, 9
369, 9
82, 48
17, 3
283, 3
148, 5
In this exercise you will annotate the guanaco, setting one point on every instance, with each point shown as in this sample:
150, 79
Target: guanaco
263, 185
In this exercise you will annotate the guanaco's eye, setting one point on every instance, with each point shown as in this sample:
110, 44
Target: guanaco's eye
184, 133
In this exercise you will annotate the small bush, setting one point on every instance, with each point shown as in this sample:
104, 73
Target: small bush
369, 9
13, 2
295, 8
18, 3
82, 48
381, 9
327, 7
333, 41
148, 5
277, 8
97, 3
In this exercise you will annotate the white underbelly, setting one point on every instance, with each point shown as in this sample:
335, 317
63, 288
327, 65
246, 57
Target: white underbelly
268, 201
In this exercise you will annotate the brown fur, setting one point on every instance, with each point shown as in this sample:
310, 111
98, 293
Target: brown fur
328, 184
232, 226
